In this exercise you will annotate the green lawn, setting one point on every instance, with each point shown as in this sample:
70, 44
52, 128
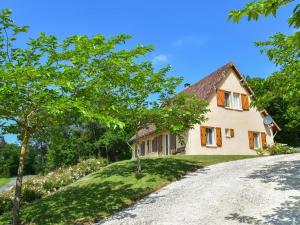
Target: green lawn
116, 186
4, 181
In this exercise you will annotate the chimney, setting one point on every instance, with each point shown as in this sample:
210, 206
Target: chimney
186, 85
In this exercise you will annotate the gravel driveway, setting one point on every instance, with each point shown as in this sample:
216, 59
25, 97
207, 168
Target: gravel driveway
251, 191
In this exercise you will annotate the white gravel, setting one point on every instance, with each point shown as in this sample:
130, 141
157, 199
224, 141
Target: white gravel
251, 191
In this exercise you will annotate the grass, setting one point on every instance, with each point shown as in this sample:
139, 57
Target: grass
113, 188
4, 181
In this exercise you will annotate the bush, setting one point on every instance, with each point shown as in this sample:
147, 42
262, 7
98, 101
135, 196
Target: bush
276, 149
39, 186
5, 202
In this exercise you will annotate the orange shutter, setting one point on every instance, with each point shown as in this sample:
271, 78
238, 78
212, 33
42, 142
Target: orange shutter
219, 136
221, 98
231, 132
203, 135
251, 139
263, 139
245, 102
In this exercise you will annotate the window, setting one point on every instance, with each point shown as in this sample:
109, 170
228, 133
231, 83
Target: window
236, 101
227, 132
154, 145
167, 144
148, 146
227, 99
256, 139
142, 148
210, 136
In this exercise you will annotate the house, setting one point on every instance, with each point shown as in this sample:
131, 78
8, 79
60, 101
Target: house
233, 127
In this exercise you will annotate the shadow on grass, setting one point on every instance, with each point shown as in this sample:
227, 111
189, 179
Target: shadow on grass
105, 192
286, 176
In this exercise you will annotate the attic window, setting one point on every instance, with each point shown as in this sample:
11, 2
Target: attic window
227, 99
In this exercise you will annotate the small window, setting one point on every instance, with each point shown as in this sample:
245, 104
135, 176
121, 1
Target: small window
236, 101
227, 132
256, 139
154, 145
227, 99
210, 136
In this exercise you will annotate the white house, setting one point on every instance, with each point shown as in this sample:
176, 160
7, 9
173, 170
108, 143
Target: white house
233, 126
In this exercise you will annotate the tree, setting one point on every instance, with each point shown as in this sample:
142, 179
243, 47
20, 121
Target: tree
279, 93
92, 78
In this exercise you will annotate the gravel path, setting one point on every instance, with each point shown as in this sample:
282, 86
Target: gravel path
251, 191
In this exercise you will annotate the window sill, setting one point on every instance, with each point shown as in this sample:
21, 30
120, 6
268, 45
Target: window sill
211, 146
234, 109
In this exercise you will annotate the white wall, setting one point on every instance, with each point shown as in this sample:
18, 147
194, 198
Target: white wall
240, 121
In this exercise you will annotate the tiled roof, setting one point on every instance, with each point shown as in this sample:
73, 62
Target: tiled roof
204, 87
145, 131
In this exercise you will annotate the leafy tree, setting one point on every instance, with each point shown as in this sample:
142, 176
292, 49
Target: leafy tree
92, 78
8, 160
279, 93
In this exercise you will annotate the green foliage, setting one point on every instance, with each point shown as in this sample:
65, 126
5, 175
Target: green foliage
8, 160
5, 202
273, 94
40, 186
111, 189
9, 157
86, 79
277, 149
279, 93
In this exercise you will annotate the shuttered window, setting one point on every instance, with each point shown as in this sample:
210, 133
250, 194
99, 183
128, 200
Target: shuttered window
172, 143
219, 136
221, 98
251, 139
245, 102
154, 145
159, 144
231, 132
203, 135
257, 139
227, 99
143, 148
263, 139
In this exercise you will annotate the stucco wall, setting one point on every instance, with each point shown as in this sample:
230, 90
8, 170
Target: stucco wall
240, 121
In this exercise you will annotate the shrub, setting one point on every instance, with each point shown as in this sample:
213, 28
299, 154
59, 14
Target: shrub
5, 202
276, 149
39, 186
279, 148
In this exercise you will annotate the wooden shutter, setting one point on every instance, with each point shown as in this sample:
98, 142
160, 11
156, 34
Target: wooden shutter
159, 144
251, 139
245, 102
263, 139
143, 148
221, 98
231, 132
219, 136
203, 135
173, 143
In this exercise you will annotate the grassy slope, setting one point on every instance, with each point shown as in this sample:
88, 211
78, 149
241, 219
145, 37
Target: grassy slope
4, 181
102, 193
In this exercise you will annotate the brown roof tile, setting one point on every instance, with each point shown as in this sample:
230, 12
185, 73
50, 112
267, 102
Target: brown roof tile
204, 87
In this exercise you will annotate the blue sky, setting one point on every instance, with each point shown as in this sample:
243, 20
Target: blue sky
193, 36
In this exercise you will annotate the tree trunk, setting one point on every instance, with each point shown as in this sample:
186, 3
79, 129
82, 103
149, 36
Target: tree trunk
16, 204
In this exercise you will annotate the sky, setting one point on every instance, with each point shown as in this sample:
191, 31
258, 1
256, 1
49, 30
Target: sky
192, 36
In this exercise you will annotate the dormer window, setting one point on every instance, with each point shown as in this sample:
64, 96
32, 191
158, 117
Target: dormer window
236, 101
227, 99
